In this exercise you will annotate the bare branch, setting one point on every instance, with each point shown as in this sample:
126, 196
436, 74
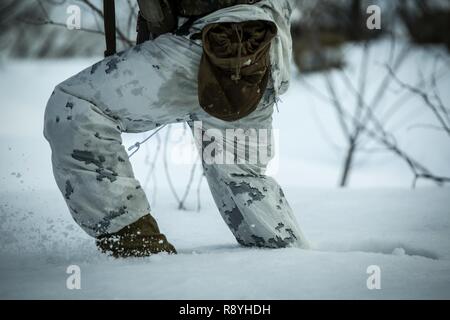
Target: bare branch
425, 97
199, 189
166, 170
99, 12
337, 106
188, 187
58, 24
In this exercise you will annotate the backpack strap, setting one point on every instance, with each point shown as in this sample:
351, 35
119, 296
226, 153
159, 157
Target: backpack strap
109, 17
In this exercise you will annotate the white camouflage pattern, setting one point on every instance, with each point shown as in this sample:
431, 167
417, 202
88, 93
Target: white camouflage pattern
147, 86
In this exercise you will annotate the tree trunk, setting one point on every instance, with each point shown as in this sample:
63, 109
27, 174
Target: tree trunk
348, 164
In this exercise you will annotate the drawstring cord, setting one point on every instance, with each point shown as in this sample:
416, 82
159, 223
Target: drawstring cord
137, 145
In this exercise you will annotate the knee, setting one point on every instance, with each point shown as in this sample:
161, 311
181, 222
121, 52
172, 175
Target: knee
56, 114
51, 116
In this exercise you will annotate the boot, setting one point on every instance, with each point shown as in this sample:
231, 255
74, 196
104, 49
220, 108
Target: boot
140, 239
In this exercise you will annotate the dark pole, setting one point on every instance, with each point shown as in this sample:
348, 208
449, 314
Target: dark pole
109, 12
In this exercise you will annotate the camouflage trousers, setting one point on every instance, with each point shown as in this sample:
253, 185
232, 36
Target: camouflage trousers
139, 90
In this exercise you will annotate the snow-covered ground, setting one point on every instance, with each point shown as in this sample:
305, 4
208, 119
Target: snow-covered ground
405, 233
379, 221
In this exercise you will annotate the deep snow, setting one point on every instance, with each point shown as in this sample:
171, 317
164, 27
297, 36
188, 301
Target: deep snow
405, 232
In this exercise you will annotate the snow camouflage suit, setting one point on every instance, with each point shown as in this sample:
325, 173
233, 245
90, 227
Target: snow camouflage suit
150, 85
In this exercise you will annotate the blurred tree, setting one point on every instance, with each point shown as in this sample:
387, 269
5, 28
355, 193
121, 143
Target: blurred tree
428, 22
324, 26
37, 28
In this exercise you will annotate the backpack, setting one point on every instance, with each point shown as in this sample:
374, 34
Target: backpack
157, 17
